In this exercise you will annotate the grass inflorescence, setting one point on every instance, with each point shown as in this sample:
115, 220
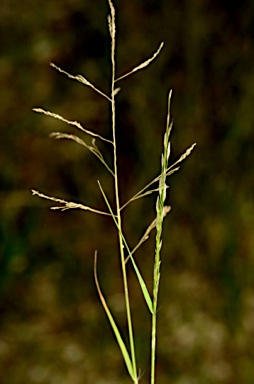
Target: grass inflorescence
157, 185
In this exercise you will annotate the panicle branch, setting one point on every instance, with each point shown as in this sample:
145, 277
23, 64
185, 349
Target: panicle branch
67, 204
142, 65
166, 210
81, 79
75, 123
92, 148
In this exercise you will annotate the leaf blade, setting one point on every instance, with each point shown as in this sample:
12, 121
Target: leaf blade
140, 278
118, 336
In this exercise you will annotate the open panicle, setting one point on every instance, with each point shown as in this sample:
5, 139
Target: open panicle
128, 347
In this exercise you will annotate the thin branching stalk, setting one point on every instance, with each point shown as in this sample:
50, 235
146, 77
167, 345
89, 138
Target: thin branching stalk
112, 30
147, 233
143, 65
74, 123
81, 79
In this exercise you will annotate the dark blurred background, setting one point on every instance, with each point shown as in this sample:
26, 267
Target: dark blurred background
52, 326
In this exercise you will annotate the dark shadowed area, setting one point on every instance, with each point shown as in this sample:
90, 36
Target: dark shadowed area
53, 329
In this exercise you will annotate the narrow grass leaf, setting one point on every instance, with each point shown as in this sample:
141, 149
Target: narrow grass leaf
119, 339
140, 278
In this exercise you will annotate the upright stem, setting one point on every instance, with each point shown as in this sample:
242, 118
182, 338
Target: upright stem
160, 209
156, 279
117, 199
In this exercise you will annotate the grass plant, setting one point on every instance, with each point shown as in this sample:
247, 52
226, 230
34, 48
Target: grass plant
157, 185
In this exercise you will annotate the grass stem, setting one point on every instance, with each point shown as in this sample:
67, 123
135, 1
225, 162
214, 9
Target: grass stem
112, 29
160, 216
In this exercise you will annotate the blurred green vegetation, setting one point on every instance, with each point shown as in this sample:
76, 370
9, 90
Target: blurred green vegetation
52, 327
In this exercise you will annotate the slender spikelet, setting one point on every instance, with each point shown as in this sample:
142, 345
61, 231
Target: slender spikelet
159, 223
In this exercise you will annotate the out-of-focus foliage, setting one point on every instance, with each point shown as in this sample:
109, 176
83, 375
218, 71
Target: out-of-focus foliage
52, 328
